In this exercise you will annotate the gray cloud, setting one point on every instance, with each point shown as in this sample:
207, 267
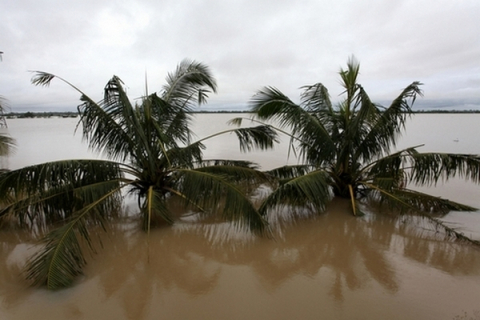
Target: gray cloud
248, 44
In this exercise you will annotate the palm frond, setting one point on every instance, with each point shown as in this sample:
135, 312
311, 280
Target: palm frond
56, 266
349, 75
235, 170
101, 121
315, 98
428, 203
259, 137
154, 206
227, 162
172, 121
394, 165
271, 104
237, 121
62, 258
190, 81
111, 126
350, 132
422, 204
413, 201
450, 232
186, 157
289, 172
207, 189
391, 174
311, 189
41, 78
53, 191
429, 168
276, 130
40, 177
388, 125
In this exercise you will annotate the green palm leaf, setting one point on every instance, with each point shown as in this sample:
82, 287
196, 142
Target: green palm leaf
289, 172
62, 258
388, 124
311, 189
52, 191
421, 204
188, 83
206, 187
154, 207
305, 126
428, 168
413, 201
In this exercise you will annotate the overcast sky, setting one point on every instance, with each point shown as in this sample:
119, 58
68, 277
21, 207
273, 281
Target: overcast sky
248, 44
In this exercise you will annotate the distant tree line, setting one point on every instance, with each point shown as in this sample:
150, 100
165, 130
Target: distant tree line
71, 114
447, 111
30, 114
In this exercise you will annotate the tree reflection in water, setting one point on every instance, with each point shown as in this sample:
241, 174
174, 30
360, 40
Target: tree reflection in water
335, 250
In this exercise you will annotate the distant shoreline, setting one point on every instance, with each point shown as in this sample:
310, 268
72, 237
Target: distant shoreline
71, 114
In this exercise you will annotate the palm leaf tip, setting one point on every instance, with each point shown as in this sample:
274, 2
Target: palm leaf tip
41, 78
260, 137
235, 121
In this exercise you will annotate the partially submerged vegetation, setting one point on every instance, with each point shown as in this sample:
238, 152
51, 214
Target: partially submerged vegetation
344, 149
346, 152
150, 156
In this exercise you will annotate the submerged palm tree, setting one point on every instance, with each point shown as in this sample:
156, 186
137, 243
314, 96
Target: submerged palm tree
150, 155
346, 151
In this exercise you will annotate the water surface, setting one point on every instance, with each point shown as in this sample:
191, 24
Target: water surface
321, 266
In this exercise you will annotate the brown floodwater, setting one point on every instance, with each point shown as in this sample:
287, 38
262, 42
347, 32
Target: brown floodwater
318, 266
327, 266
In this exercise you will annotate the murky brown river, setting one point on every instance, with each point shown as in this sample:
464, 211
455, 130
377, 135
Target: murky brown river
322, 266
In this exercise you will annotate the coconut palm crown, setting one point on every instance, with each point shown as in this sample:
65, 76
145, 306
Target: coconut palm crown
149, 154
346, 150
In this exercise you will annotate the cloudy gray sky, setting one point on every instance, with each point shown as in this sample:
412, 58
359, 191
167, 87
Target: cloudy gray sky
248, 44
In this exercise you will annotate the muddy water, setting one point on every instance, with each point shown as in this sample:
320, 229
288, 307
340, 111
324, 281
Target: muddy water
327, 266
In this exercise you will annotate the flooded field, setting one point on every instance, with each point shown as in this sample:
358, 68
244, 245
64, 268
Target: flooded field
319, 266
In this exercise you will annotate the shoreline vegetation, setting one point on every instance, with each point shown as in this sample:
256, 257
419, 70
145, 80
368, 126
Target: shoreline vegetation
74, 114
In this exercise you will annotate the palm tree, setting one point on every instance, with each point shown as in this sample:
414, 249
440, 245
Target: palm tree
345, 151
150, 155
